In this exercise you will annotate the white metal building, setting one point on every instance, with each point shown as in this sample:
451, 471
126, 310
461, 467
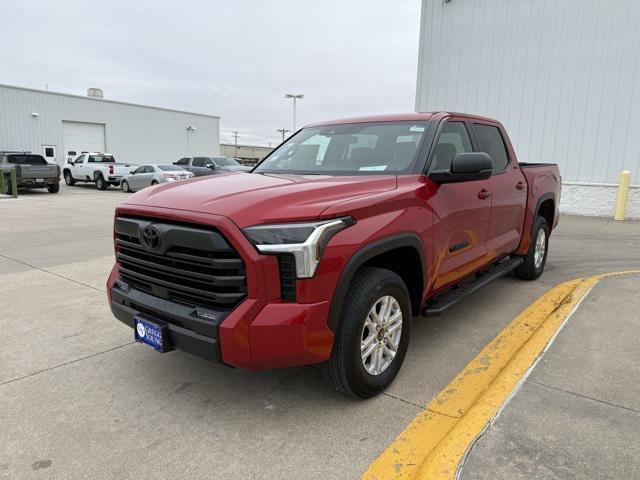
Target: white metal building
53, 124
563, 76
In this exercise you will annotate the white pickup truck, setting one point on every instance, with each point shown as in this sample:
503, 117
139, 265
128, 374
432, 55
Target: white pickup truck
100, 168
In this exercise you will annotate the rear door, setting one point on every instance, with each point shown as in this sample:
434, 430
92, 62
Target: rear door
508, 190
199, 166
148, 173
462, 211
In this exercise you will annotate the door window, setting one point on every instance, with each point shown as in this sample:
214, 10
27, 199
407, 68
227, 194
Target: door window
80, 159
199, 161
453, 139
183, 161
490, 141
138, 170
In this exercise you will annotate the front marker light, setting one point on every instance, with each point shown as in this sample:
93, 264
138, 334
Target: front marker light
305, 241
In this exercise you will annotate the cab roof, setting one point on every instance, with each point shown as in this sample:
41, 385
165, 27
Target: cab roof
398, 117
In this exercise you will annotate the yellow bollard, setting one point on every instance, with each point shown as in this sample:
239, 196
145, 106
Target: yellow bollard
623, 191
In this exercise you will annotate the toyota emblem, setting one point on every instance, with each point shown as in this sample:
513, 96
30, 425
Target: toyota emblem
151, 237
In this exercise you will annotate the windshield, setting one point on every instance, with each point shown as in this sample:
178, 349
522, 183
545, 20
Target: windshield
352, 149
169, 168
225, 162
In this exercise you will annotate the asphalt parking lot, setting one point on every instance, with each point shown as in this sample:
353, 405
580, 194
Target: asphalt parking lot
80, 399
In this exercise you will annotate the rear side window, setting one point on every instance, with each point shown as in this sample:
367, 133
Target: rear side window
183, 161
490, 141
26, 160
453, 139
101, 159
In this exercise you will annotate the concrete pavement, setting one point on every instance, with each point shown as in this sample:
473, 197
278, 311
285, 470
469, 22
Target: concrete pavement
578, 414
81, 400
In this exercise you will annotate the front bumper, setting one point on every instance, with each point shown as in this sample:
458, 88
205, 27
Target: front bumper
261, 332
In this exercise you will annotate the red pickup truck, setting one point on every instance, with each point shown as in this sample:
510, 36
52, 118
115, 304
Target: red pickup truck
325, 252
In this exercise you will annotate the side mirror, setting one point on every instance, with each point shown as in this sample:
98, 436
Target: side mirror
465, 167
70, 162
211, 166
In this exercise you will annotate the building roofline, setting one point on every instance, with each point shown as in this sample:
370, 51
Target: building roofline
244, 145
84, 97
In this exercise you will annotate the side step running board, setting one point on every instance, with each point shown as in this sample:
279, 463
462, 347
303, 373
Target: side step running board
469, 285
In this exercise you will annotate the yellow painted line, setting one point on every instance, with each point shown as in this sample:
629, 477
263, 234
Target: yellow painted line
435, 443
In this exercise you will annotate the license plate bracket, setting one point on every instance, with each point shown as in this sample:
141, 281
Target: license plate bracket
152, 333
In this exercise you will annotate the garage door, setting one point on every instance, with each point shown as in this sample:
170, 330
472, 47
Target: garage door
82, 137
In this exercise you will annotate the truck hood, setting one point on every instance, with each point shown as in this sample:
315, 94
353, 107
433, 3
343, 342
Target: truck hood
251, 199
237, 168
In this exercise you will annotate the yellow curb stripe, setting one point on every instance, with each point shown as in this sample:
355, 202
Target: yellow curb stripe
434, 444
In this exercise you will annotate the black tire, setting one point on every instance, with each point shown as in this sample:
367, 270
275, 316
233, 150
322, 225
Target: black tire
125, 186
54, 188
68, 178
154, 183
345, 369
529, 270
101, 183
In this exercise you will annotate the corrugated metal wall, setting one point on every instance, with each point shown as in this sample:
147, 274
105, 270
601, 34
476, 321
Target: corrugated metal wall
562, 75
135, 134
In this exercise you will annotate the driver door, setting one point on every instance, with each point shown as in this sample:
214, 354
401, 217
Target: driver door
135, 179
462, 212
78, 169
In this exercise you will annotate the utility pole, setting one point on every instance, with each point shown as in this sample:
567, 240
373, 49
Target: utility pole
235, 136
283, 131
294, 97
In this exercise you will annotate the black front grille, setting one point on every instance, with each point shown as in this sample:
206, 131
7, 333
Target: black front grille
193, 266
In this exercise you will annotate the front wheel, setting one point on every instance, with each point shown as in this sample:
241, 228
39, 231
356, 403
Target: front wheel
101, 183
68, 178
536, 257
125, 186
373, 336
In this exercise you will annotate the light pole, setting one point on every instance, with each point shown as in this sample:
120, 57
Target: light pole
295, 98
190, 129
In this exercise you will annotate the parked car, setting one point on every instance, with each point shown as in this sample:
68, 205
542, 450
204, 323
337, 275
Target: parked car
147, 175
328, 249
32, 171
100, 168
201, 166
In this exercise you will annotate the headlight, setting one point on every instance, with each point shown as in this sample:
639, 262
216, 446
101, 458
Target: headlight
305, 241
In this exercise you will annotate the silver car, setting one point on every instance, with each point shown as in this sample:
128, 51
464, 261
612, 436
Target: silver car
146, 175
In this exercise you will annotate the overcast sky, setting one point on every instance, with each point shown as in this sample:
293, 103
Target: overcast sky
232, 58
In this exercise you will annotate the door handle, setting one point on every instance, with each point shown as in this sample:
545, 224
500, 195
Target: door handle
484, 194
521, 185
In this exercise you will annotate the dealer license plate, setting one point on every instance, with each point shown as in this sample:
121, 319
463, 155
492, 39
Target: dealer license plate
154, 335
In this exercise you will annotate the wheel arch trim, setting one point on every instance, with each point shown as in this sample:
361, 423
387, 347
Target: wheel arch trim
360, 257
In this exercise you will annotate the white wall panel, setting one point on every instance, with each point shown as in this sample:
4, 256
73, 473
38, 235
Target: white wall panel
563, 76
133, 133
